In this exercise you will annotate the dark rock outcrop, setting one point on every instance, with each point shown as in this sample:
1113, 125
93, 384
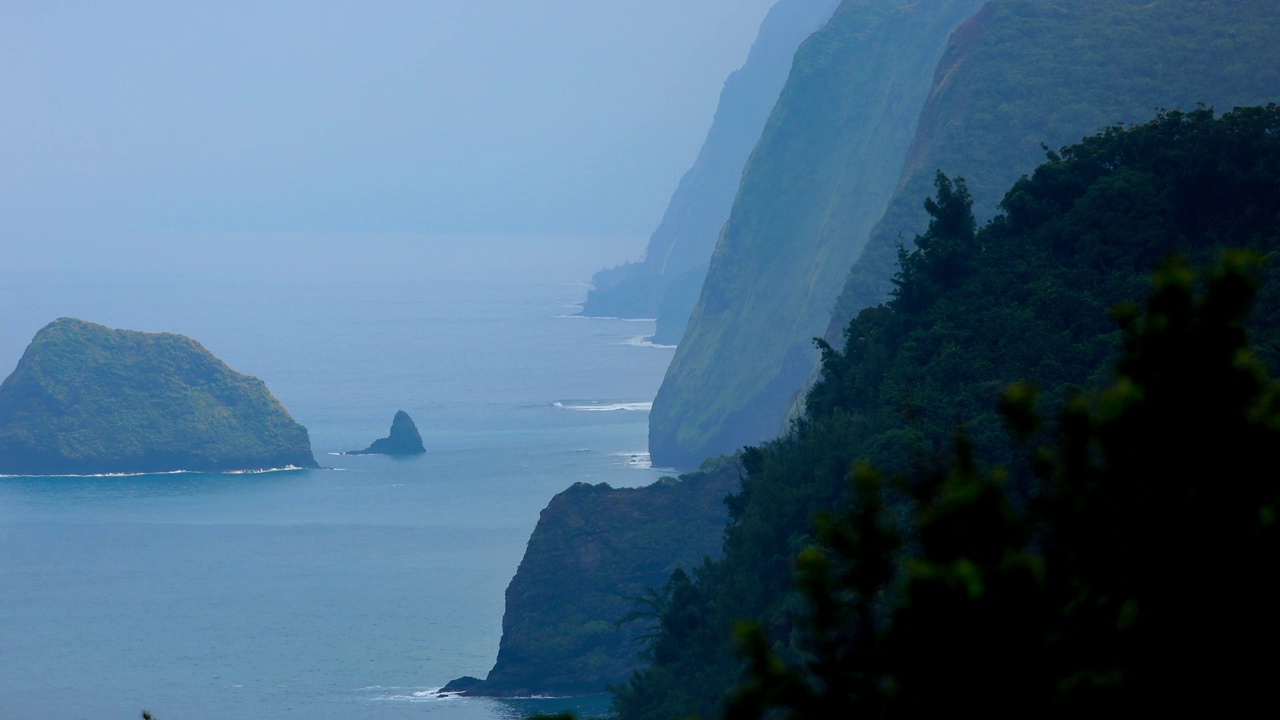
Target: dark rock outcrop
595, 549
88, 399
460, 685
403, 440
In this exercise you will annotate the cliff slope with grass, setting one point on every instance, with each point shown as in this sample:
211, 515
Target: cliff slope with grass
820, 176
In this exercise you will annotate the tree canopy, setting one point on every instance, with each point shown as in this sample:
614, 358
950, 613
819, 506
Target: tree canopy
1143, 575
1100, 502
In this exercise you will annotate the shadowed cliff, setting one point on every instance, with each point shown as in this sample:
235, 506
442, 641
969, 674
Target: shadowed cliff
665, 283
821, 175
595, 548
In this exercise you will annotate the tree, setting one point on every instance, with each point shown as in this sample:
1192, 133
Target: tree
1145, 573
947, 250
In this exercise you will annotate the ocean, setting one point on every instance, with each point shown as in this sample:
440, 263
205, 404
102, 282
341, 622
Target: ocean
349, 592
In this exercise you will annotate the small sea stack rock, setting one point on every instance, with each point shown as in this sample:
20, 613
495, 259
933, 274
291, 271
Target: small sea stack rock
403, 440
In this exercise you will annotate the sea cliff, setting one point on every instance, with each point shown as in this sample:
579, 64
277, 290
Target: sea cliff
878, 101
820, 176
1014, 367
594, 551
665, 283
806, 247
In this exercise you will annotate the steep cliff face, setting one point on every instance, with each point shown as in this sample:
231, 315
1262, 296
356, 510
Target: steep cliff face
1153, 418
1025, 74
821, 175
89, 399
595, 548
665, 283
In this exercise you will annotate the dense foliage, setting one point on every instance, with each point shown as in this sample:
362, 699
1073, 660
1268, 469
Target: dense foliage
90, 399
1024, 299
852, 147
1027, 73
1143, 575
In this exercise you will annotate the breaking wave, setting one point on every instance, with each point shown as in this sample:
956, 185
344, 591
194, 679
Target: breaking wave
605, 407
259, 471
608, 317
642, 341
637, 460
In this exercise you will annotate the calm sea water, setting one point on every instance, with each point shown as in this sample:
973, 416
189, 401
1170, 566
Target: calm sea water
348, 592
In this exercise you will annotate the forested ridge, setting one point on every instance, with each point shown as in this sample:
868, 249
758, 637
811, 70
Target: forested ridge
1134, 524
886, 94
1023, 73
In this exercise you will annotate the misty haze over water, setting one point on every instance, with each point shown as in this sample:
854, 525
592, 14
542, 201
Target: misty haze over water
370, 207
350, 592
563, 117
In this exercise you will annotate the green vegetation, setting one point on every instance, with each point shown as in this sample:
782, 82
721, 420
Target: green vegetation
89, 399
1146, 511
1025, 74
820, 175
1141, 575
595, 548
822, 190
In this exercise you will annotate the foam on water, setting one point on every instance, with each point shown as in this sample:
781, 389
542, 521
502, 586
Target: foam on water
637, 460
259, 471
642, 341
413, 695
604, 407
286, 468
607, 317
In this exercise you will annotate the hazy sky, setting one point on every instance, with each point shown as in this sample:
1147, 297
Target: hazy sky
485, 116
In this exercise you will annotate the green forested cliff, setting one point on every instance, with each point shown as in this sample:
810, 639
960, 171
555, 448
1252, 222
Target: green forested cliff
1018, 74
87, 399
1024, 301
664, 284
820, 175
1013, 77
1029, 73
1140, 576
